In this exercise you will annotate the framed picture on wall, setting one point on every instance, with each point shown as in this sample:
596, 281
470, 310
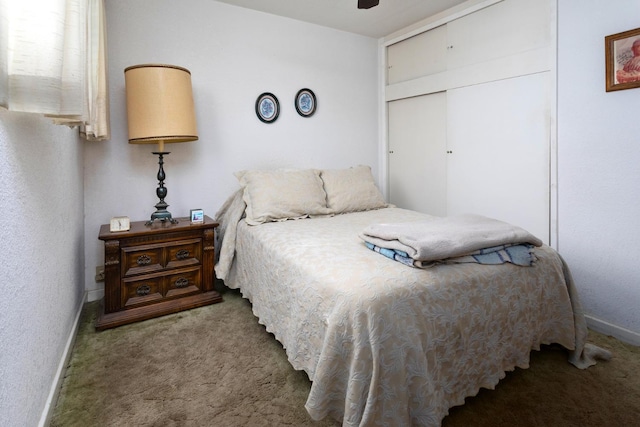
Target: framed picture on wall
306, 102
267, 107
622, 56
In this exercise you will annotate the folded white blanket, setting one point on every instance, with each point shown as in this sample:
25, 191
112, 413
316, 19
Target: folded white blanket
446, 237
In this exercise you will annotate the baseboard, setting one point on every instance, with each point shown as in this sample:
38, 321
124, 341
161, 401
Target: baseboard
47, 411
598, 325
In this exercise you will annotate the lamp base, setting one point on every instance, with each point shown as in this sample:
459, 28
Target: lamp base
161, 212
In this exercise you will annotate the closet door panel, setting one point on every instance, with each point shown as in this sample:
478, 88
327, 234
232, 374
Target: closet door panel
417, 153
498, 139
420, 55
507, 28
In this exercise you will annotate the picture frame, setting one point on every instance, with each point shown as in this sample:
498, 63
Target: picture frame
306, 102
197, 216
267, 107
622, 60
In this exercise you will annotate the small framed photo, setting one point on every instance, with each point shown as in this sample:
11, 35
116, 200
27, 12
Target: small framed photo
197, 216
306, 102
622, 56
267, 107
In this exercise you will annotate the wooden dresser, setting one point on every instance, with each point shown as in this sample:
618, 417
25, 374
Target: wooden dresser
156, 270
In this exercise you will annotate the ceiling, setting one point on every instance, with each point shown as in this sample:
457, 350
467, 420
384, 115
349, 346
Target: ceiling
382, 20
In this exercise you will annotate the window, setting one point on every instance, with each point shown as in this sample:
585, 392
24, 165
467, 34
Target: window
53, 62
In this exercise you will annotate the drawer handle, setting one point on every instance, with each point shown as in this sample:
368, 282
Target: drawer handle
182, 254
182, 283
143, 290
144, 260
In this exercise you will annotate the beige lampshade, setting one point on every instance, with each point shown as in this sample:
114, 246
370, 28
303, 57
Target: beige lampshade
159, 104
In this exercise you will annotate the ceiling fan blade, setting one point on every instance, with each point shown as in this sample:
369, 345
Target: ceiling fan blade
367, 4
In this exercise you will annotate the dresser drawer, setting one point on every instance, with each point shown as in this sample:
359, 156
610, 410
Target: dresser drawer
183, 283
142, 259
141, 291
184, 253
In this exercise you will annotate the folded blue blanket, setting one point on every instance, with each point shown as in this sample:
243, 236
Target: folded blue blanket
521, 255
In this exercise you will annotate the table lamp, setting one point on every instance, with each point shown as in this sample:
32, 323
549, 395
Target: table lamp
160, 110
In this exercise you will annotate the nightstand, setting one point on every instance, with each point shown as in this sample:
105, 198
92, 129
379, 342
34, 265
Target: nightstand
157, 269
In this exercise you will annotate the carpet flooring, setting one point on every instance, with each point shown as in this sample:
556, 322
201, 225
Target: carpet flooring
216, 366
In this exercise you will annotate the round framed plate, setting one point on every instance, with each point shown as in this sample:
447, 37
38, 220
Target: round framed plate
306, 103
267, 107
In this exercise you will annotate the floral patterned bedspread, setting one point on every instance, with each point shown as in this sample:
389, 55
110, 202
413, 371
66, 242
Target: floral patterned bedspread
388, 344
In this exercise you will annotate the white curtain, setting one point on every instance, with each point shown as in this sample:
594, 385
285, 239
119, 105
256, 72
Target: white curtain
53, 62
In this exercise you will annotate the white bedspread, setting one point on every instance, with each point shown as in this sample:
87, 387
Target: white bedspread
384, 344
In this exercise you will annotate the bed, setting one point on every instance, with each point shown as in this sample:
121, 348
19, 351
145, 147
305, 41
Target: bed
384, 343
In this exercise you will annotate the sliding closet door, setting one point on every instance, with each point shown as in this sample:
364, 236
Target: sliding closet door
404, 64
498, 139
417, 153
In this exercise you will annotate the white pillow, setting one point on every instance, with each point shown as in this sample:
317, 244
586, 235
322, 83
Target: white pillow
351, 190
278, 195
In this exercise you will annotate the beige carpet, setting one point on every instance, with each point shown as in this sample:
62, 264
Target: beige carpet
216, 366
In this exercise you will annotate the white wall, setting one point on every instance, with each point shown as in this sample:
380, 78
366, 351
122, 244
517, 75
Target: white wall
599, 166
234, 54
41, 266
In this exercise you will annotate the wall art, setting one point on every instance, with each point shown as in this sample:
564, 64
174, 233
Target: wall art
306, 102
622, 55
267, 107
